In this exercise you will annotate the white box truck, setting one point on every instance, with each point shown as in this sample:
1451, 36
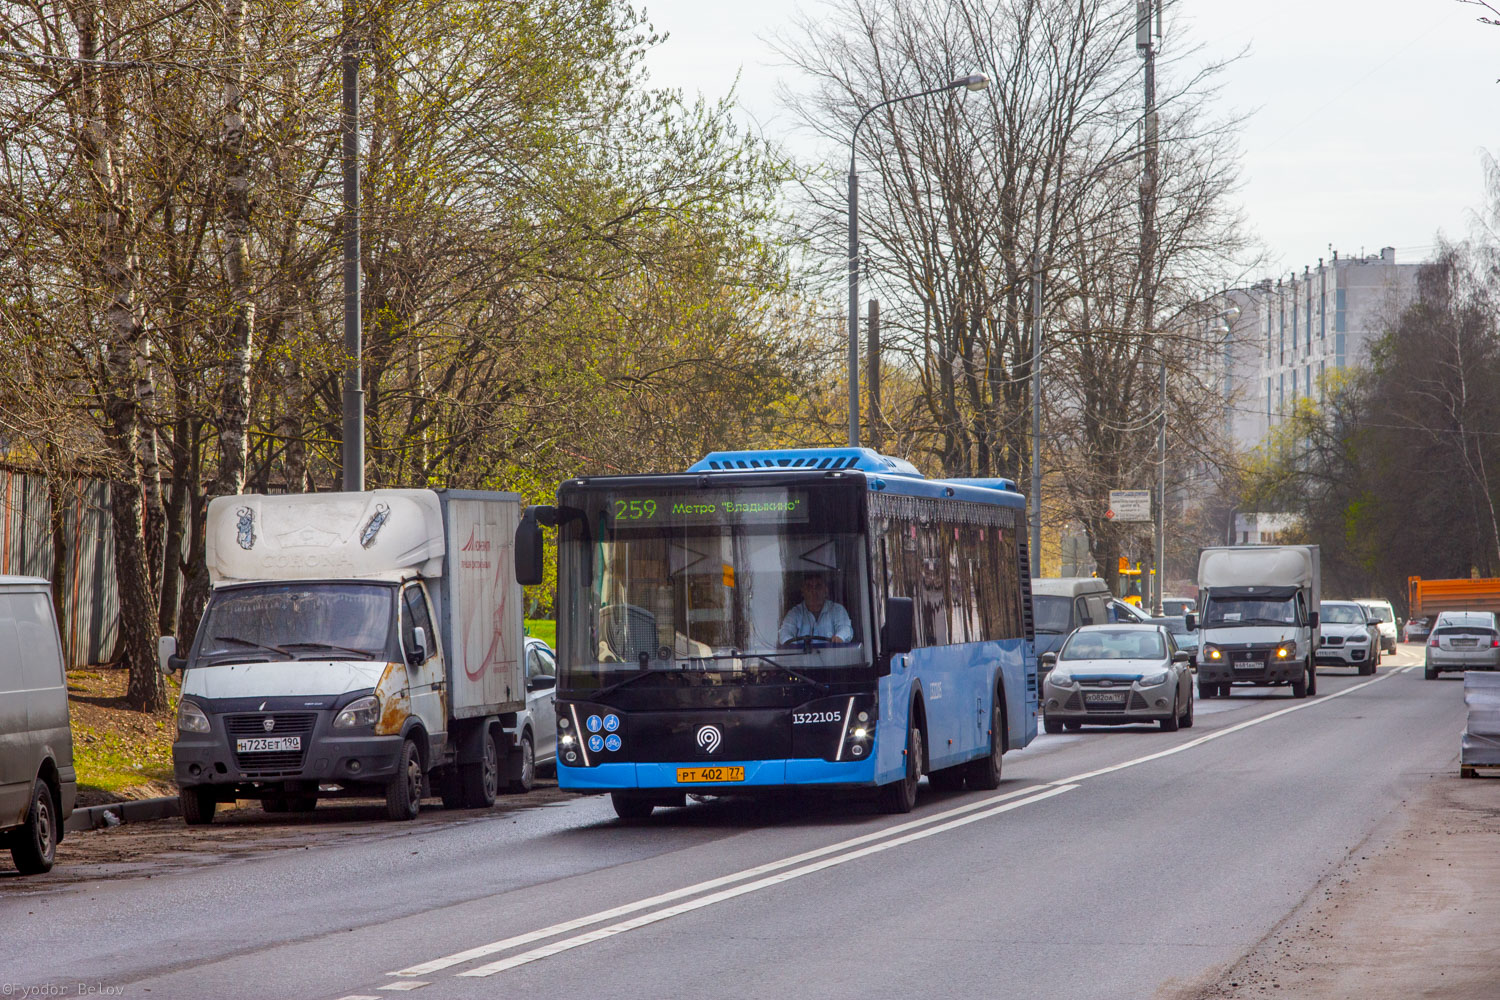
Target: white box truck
353, 643
1258, 613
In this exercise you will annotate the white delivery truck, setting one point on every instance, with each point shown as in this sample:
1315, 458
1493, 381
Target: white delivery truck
353, 643
1258, 612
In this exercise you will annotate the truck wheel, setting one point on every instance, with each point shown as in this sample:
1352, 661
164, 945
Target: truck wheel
198, 805
1312, 679
403, 796
480, 780
302, 803
631, 808
984, 774
33, 847
276, 805
527, 778
899, 796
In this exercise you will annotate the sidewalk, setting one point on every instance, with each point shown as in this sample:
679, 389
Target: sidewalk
1414, 912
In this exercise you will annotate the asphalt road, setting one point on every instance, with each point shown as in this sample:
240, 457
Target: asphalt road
1111, 863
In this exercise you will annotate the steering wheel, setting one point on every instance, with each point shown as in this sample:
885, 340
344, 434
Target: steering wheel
797, 640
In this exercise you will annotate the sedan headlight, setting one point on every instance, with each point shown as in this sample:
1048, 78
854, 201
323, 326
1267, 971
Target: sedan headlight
1159, 677
359, 712
1212, 652
191, 718
1061, 678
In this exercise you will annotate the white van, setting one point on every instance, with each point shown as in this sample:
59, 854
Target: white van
1062, 603
37, 781
1388, 623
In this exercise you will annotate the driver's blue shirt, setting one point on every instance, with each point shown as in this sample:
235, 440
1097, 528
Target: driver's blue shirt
832, 622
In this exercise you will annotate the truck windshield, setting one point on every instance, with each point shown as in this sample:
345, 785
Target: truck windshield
739, 579
1250, 611
297, 621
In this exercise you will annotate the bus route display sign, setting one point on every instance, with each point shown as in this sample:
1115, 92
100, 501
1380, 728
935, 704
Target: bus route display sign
734, 506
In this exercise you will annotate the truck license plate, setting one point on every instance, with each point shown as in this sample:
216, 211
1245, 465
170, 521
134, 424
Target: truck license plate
1248, 665
712, 775
268, 744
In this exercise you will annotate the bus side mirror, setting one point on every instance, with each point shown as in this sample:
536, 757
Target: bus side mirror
529, 544
900, 625
1191, 620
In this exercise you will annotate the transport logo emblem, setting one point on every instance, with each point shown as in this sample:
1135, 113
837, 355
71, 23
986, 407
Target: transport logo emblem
268, 723
709, 738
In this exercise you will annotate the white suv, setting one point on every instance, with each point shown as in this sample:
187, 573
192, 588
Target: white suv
1387, 615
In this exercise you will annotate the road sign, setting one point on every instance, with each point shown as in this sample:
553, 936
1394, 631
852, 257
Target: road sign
1129, 505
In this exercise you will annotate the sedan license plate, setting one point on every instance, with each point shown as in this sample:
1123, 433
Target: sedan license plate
268, 744
1104, 697
1465, 643
712, 775
1248, 665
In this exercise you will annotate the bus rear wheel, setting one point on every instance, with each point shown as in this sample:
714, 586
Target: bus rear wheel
900, 796
984, 774
631, 808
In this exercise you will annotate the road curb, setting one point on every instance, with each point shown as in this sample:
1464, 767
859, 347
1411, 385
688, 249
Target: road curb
115, 813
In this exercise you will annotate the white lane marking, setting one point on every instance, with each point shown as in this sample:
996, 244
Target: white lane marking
1220, 733
516, 941
404, 985
485, 950
360, 996
765, 883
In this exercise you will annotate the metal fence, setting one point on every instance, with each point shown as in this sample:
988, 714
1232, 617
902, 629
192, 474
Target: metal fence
90, 599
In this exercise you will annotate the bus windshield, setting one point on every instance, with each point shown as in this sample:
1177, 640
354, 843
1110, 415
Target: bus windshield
739, 578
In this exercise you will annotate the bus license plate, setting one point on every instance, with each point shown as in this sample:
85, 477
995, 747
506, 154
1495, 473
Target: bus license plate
268, 744
713, 775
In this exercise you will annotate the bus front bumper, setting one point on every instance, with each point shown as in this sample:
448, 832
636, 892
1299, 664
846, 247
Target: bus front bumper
758, 774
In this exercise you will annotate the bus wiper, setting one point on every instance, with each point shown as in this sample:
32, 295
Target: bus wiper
631, 680
251, 643
771, 659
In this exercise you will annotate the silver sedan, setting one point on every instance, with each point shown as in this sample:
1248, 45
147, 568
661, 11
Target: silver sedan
1115, 675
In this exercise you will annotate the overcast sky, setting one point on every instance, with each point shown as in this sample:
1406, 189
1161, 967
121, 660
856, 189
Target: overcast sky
1368, 115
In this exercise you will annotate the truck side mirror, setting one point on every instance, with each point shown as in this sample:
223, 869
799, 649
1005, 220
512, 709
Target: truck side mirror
529, 544
1312, 619
166, 655
1191, 621
896, 635
418, 651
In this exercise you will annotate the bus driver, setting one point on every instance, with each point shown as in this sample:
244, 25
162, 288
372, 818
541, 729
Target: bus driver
816, 616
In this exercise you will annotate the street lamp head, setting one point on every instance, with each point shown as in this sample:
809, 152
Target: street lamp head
1232, 313
975, 81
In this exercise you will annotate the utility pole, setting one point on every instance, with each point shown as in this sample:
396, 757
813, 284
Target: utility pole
1036, 415
352, 453
1147, 34
872, 371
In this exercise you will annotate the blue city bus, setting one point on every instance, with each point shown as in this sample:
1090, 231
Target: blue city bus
679, 602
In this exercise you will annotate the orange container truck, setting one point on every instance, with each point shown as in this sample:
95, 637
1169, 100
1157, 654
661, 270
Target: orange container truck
1427, 598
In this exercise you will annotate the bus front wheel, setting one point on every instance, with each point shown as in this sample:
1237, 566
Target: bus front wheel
900, 796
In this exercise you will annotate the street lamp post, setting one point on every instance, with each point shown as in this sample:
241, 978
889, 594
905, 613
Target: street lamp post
1225, 318
976, 81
